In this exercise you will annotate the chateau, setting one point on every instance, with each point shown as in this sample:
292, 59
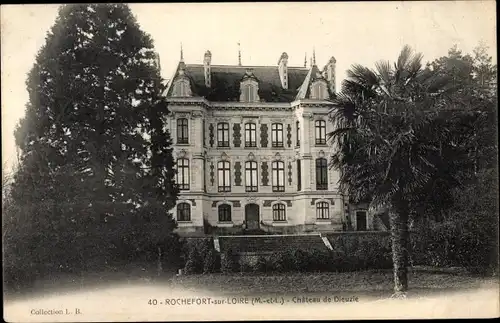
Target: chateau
251, 148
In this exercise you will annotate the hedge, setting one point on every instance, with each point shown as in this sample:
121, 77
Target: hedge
350, 253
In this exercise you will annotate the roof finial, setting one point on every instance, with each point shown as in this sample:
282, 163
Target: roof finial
182, 54
305, 59
314, 56
239, 54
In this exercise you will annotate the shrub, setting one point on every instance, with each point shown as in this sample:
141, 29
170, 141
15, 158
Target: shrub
283, 260
245, 267
361, 251
211, 263
261, 265
229, 261
301, 260
320, 260
467, 234
194, 263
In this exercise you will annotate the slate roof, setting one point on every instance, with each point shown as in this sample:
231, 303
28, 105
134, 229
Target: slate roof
225, 82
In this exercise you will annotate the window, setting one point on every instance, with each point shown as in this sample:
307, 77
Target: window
182, 131
297, 127
322, 211
183, 173
224, 170
277, 135
299, 176
251, 176
278, 176
250, 135
223, 134
249, 91
183, 212
320, 126
182, 88
224, 213
321, 174
319, 91
279, 212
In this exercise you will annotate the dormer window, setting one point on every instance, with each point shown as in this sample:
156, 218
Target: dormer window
319, 90
249, 91
182, 86
249, 88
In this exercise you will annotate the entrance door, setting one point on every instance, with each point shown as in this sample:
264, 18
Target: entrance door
361, 221
252, 216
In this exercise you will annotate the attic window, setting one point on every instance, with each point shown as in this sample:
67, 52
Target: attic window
182, 88
249, 91
319, 90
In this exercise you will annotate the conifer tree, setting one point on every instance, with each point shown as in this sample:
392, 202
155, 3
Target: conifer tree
96, 172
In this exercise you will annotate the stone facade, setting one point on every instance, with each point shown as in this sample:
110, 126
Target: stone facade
222, 138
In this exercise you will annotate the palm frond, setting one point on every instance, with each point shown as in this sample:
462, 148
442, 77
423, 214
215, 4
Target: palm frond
405, 57
385, 72
415, 65
362, 75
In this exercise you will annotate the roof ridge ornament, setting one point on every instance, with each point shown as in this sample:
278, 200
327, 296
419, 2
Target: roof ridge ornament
249, 74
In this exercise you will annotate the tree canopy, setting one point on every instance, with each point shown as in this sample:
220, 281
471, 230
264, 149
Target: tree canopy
407, 135
96, 170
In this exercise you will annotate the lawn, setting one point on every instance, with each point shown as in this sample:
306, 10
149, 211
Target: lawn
372, 283
126, 297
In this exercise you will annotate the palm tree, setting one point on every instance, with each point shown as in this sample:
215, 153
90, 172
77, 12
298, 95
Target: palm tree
394, 133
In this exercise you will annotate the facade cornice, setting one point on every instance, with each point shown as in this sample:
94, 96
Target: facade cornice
258, 195
310, 103
247, 106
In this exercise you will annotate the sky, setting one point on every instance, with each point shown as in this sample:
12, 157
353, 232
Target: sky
352, 32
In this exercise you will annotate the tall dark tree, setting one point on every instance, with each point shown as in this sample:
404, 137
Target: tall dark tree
474, 77
394, 142
96, 172
472, 210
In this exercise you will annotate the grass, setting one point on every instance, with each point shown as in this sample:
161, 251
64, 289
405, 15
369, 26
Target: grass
377, 283
126, 297
370, 283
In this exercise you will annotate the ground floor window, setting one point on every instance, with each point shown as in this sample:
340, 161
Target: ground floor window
322, 211
183, 212
224, 213
279, 212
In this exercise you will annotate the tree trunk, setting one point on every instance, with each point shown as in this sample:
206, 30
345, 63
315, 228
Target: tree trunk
398, 217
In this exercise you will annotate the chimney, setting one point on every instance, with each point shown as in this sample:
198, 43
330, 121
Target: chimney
283, 70
206, 67
330, 73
